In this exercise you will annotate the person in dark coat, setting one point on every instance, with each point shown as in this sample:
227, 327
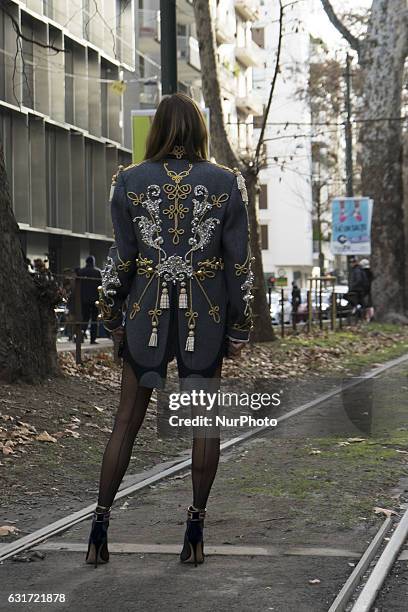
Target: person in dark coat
368, 300
358, 284
92, 278
296, 298
181, 269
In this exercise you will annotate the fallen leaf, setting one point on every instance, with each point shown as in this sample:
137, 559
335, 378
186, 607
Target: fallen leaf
314, 581
315, 451
45, 437
352, 440
7, 530
384, 511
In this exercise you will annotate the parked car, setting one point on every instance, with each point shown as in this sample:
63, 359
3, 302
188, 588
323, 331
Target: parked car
276, 308
302, 311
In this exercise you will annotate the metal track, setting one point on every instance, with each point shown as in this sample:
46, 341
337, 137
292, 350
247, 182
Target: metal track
26, 542
383, 567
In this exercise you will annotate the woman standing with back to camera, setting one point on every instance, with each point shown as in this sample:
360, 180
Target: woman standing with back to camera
181, 262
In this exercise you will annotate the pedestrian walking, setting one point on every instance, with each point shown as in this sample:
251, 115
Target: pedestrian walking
358, 286
296, 299
368, 300
91, 280
182, 260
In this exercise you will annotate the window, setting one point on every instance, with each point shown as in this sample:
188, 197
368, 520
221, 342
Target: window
48, 8
69, 82
28, 55
258, 36
264, 237
263, 197
258, 121
51, 176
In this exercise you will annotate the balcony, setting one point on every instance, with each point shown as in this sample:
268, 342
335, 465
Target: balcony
227, 79
250, 54
248, 9
250, 104
224, 29
148, 31
188, 56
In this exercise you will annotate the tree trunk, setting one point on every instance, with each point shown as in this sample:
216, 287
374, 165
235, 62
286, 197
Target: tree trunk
263, 331
382, 55
224, 153
27, 329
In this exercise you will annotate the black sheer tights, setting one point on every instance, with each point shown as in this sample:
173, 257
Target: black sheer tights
129, 418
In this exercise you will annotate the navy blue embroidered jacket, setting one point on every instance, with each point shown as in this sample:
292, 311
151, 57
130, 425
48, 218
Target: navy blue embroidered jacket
180, 228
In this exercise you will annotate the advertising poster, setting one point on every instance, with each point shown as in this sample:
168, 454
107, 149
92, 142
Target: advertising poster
351, 226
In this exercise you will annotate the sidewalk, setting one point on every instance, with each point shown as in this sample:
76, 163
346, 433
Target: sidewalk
289, 515
261, 566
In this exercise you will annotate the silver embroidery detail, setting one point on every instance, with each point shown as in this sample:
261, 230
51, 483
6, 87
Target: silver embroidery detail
242, 187
110, 279
204, 231
247, 287
201, 205
152, 204
174, 269
148, 229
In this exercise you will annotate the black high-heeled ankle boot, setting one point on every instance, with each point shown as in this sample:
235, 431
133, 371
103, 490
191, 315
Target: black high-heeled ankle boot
98, 540
193, 549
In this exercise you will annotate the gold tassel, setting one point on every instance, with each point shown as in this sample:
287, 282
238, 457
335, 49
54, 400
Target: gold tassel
183, 297
153, 337
164, 300
190, 342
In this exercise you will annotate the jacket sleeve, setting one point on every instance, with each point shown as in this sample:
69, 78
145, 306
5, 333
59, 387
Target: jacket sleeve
237, 262
120, 265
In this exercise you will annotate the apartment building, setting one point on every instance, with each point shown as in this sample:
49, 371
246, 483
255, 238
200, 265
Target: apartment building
238, 56
61, 121
286, 189
237, 53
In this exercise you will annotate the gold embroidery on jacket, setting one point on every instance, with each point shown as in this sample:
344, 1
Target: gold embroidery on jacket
144, 266
176, 194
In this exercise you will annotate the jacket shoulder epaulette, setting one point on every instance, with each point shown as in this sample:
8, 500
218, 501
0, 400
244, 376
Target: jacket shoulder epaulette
223, 167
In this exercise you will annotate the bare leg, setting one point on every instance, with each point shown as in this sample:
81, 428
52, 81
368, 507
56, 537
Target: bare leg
129, 418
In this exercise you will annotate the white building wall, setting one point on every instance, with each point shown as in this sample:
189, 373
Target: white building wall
288, 149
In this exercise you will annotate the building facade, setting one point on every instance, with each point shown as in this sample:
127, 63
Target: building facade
237, 52
61, 121
285, 201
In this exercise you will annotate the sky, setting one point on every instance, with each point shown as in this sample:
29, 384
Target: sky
320, 26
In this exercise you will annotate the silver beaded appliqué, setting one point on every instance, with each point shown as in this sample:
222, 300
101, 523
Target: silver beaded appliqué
110, 278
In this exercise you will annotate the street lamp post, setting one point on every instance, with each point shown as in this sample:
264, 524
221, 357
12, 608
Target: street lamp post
168, 46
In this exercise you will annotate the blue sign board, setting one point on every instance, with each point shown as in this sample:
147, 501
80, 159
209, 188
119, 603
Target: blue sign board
351, 226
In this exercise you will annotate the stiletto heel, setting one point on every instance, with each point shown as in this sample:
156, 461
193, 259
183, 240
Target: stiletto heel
98, 540
193, 548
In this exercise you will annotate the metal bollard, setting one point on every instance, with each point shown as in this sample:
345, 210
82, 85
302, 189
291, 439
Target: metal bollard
333, 311
309, 311
282, 313
78, 319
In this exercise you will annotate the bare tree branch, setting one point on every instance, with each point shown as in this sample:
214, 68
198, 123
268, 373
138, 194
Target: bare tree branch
339, 25
268, 106
20, 35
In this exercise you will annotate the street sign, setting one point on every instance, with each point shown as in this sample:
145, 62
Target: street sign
351, 226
